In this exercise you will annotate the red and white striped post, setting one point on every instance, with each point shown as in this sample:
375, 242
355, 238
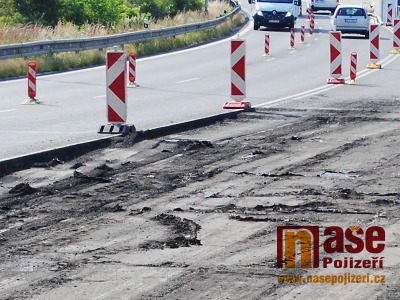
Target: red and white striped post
374, 46
238, 76
302, 34
335, 40
116, 87
132, 69
312, 24
292, 34
266, 49
116, 93
353, 67
238, 70
32, 68
396, 36
389, 16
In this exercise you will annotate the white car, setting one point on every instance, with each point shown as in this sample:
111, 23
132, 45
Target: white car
316, 5
351, 19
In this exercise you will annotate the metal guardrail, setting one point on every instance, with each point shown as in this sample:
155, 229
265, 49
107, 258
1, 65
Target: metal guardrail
54, 46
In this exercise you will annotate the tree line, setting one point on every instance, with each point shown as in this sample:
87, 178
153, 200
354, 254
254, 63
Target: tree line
104, 12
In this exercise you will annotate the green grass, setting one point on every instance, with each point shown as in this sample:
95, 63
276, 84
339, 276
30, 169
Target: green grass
16, 67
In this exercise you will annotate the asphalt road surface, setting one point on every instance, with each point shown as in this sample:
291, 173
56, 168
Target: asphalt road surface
195, 215
173, 88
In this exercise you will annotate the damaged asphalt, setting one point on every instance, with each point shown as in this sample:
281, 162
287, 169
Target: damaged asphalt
193, 214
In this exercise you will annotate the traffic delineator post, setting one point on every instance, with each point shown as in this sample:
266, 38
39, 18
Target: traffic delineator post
353, 67
238, 76
374, 47
310, 13
312, 21
32, 71
116, 93
389, 15
396, 36
238, 70
302, 34
335, 40
132, 69
31, 74
266, 47
292, 36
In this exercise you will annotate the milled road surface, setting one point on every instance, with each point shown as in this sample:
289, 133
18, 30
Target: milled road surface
194, 215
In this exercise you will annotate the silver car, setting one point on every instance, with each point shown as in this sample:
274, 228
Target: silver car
351, 19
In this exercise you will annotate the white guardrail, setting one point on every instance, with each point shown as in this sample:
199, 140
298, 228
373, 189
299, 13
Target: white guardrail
54, 46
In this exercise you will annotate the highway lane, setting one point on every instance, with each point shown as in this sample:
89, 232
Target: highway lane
173, 88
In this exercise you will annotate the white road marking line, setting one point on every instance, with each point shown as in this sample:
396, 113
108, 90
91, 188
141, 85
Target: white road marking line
101, 96
327, 87
188, 80
8, 110
299, 95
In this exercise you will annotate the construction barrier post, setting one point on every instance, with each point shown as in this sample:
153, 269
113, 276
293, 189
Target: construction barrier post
31, 74
353, 67
266, 49
312, 23
238, 76
32, 68
310, 12
292, 35
374, 47
335, 39
116, 93
396, 36
302, 33
132, 69
389, 16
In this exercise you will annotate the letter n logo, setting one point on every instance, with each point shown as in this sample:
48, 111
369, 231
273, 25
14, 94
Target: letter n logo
297, 246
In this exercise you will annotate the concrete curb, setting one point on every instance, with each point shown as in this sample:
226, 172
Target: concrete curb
70, 152
66, 153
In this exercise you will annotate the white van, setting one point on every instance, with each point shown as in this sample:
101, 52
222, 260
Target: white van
276, 13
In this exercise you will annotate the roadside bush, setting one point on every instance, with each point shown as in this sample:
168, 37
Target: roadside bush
8, 14
104, 12
45, 12
185, 5
162, 8
109, 13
